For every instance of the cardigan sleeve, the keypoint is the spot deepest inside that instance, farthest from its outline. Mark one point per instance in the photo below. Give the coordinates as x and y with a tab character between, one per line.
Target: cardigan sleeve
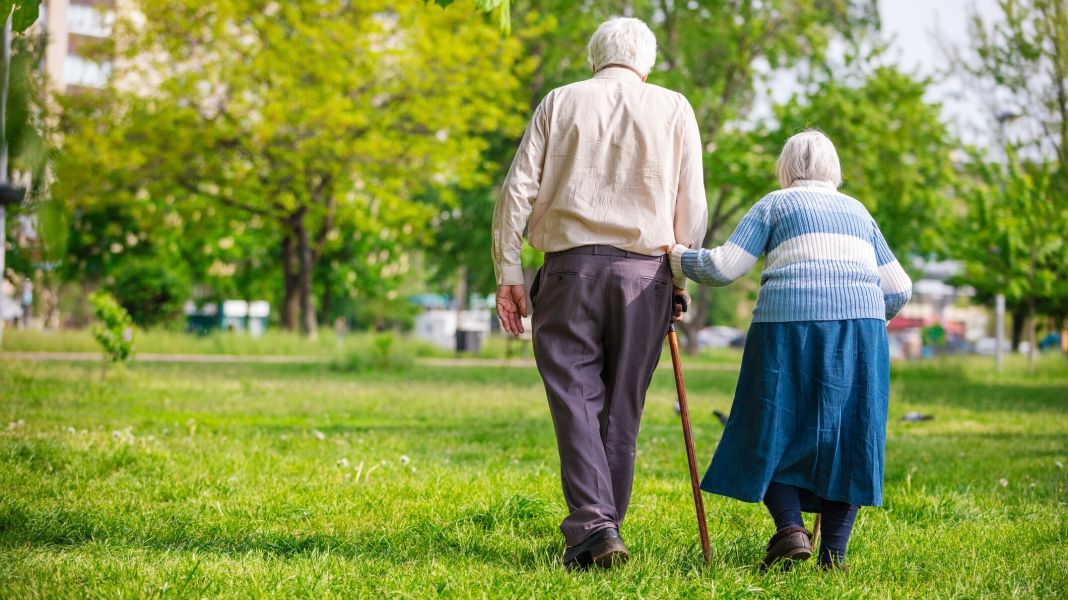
724	264
894	281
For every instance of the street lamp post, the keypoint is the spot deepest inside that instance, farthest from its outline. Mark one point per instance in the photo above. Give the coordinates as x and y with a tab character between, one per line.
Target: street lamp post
1002	118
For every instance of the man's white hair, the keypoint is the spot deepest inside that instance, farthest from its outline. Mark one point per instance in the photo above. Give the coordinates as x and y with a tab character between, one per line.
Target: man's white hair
808	156
623	41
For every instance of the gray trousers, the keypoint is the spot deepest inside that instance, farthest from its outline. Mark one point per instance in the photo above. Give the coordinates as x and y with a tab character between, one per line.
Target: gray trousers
600	318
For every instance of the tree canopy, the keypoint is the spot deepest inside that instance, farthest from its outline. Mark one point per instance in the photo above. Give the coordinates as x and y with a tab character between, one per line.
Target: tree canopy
319	126
1013	228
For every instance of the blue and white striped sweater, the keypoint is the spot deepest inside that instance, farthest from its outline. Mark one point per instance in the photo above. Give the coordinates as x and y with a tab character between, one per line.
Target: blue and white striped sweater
825	259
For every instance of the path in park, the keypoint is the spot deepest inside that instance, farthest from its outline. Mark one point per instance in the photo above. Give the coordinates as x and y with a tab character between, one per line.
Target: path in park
295	359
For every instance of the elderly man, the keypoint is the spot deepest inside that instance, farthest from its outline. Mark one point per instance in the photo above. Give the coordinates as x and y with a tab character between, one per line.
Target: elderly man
608	173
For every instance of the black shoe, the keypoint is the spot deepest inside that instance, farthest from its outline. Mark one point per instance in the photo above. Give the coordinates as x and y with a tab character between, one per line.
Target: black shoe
603	548
789	544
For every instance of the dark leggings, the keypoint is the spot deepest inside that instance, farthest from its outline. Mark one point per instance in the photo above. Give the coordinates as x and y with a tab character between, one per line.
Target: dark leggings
784	504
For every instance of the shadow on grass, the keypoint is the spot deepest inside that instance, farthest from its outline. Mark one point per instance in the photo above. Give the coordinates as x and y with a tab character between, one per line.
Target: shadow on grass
516	532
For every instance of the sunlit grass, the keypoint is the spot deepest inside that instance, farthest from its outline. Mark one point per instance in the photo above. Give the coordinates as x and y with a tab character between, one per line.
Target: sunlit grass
299	480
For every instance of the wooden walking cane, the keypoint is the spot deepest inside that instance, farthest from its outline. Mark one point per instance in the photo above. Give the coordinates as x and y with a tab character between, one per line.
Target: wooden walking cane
684	411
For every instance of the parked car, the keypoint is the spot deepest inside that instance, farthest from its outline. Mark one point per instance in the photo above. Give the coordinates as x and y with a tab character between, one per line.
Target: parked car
987	346
720	336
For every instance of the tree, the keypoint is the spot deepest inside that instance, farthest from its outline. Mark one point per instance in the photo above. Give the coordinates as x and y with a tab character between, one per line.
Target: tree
150	290
317	121
894	149
112	329
1012	238
1017	67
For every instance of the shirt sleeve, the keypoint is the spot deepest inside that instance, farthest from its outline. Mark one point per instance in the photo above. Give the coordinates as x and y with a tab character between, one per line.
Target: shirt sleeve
691	204
894	281
724	264
516	200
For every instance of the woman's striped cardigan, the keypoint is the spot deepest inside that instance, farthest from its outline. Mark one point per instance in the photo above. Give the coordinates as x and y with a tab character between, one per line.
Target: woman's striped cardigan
825	259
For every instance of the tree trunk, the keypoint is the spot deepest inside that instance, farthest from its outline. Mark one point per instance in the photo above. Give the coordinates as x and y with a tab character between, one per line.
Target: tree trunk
326	302
308	324
83	316
50	300
461	289
698	316
1033	345
291	302
1019	316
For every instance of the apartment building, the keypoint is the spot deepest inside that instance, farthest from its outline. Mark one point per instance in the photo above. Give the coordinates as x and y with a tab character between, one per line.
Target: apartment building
72	27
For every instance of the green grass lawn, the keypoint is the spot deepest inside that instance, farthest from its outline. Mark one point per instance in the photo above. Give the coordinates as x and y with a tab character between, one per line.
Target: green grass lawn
211	481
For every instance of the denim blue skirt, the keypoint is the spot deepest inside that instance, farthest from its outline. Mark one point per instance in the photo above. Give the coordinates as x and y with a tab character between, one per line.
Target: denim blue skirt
809	411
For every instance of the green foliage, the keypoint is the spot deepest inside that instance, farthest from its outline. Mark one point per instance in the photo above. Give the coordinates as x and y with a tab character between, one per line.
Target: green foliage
24	15
26	110
150	289
26	146
1012	234
1017	64
383	353
503	8
894	150
113	329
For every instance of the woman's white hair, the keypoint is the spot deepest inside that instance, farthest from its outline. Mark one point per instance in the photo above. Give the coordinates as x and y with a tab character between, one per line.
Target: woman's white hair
808	156
623	41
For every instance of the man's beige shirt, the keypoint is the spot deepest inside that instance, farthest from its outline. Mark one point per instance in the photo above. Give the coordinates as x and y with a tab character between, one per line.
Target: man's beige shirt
610	160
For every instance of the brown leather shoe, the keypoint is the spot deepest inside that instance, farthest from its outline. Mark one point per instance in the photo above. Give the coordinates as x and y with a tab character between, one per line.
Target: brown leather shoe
604	548
788	545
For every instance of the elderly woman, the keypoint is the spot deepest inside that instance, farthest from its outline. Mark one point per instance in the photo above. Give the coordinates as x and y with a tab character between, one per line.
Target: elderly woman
808	426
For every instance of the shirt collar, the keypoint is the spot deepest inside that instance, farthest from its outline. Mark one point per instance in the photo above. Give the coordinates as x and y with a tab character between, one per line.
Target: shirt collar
619	73
813	183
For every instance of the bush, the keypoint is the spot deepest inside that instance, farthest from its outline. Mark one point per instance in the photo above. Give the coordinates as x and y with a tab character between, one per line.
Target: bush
112	328
383	354
151	290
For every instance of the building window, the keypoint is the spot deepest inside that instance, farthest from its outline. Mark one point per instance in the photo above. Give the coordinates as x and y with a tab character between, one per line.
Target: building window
89	21
86	73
